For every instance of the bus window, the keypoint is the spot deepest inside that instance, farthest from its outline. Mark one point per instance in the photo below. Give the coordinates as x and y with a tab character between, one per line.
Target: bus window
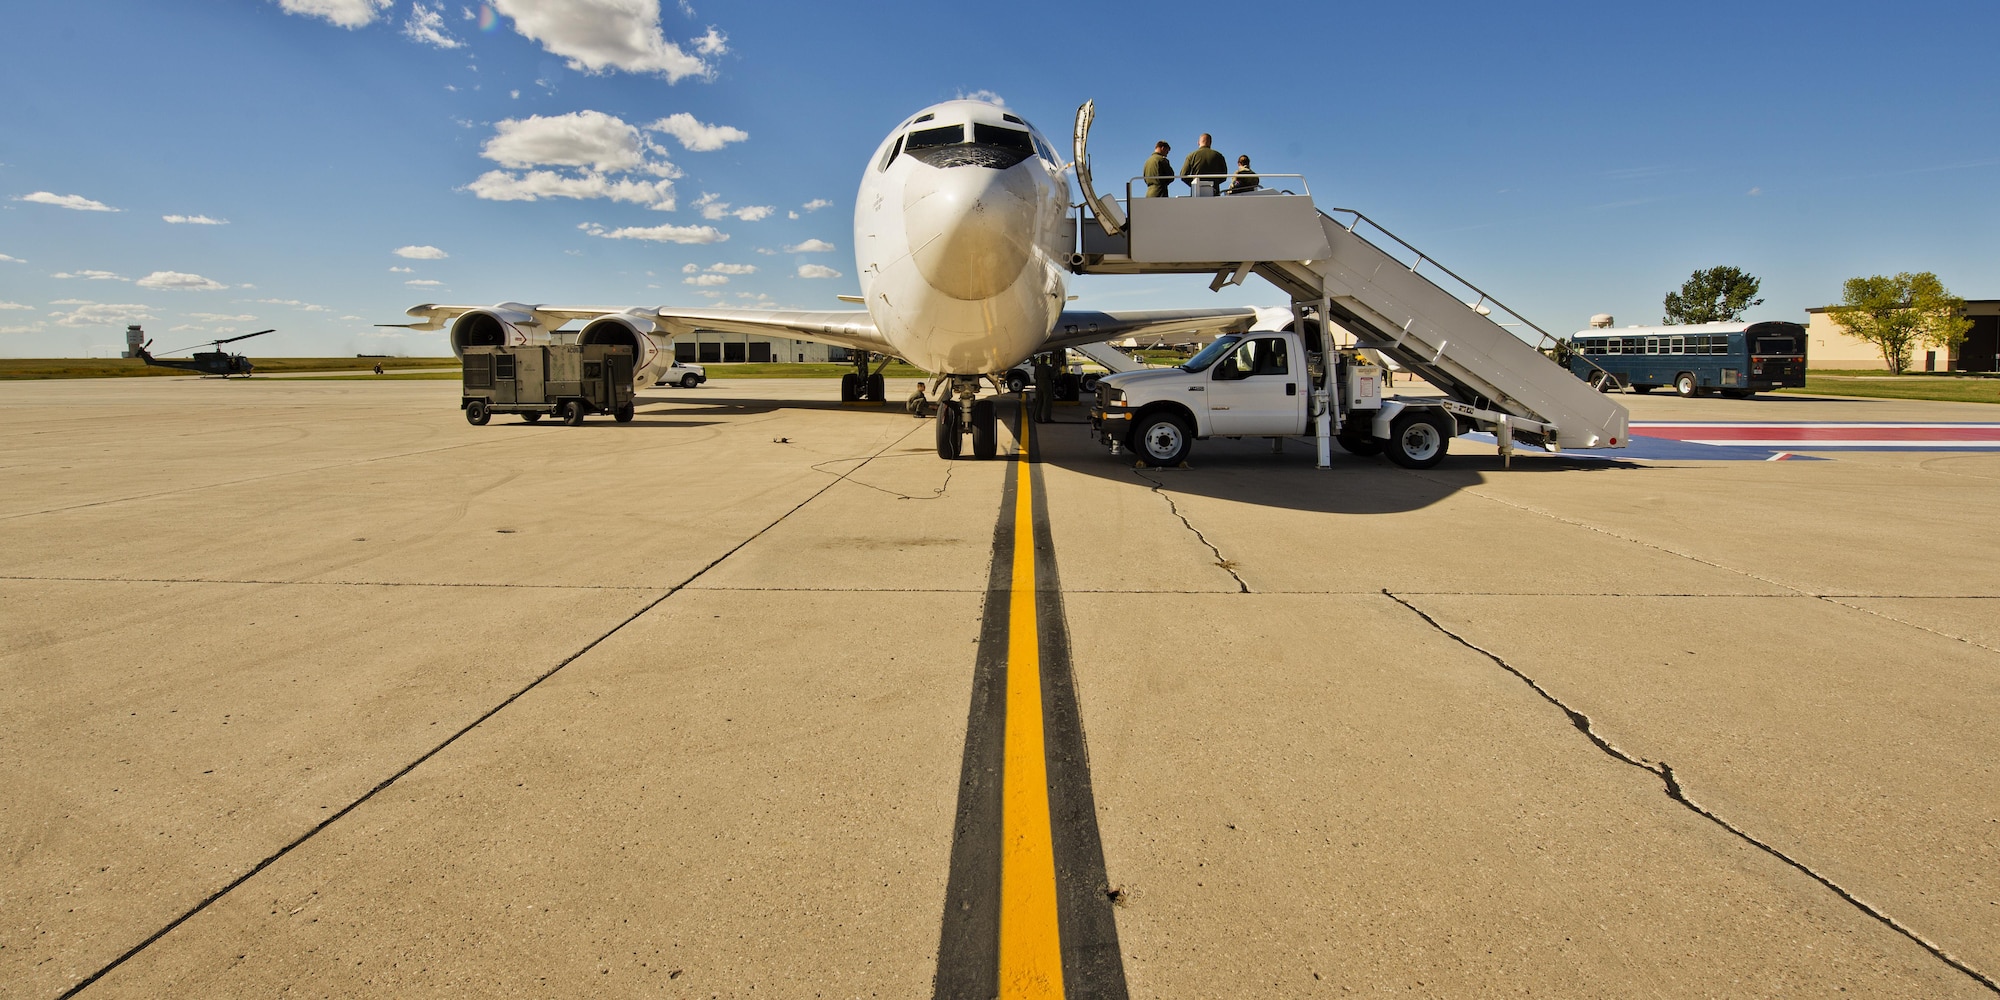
1677	345
1652	345
1614	345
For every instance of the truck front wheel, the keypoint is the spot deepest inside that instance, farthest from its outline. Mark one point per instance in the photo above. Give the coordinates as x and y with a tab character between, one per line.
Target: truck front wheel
476	413
1163	439
572	413
1418	439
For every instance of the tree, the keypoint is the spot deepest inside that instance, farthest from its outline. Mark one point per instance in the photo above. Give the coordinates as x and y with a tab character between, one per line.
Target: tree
1717	295
1896	314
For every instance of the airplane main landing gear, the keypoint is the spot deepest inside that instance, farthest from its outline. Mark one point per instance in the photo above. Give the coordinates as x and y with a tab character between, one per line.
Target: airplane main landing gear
861	384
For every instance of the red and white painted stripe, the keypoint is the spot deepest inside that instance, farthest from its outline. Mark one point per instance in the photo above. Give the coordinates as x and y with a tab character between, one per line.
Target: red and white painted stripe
1818	436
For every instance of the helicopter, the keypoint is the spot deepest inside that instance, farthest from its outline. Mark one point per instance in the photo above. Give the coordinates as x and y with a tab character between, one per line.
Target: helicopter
211	362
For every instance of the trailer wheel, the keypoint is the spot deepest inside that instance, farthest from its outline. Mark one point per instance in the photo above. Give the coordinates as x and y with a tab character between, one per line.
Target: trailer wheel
1163	438
476	413
688	381
985	430
1419	438
531	417
1684	386
572	413
623	414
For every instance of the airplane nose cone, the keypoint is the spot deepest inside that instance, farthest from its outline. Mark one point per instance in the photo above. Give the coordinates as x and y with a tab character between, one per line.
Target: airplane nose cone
971	229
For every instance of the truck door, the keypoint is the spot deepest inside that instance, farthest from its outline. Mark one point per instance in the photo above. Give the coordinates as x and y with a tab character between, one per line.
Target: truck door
1259	389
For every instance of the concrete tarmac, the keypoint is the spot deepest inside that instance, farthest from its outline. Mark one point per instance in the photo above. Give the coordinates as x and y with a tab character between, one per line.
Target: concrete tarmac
315	689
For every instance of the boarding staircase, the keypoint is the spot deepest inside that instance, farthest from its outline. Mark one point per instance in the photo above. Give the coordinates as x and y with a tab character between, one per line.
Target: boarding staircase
1392	298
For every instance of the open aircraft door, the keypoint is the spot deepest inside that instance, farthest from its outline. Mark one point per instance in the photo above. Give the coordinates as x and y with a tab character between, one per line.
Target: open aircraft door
1108	214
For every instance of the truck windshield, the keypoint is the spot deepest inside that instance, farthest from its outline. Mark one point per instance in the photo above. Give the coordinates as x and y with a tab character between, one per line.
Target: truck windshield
1211	353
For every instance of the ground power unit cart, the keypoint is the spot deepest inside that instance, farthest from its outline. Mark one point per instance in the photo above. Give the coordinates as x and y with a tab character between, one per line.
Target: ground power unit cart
559	380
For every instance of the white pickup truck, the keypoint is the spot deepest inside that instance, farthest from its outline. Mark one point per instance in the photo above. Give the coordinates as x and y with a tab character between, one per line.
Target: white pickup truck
1259	384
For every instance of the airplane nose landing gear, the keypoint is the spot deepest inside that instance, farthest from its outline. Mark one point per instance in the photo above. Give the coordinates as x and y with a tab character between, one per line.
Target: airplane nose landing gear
963	411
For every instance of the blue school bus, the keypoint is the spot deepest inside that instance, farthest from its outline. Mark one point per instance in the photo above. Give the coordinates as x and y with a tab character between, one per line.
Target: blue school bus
1735	359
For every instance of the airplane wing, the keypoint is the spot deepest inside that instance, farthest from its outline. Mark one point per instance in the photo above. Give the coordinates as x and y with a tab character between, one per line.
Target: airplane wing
437	317
849	328
1084	326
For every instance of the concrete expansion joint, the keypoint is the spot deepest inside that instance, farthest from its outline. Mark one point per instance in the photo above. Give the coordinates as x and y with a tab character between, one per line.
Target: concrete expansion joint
1837	602
1587	526
1678	793
323	583
1226	565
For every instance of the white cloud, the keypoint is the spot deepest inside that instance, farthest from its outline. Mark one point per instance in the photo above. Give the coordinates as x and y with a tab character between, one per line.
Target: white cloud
817	271
732	269
422	283
515	94
767	251
695	136
294	303
707	279
426	25
597	36
983	95
348	14
74	202
712	43
4	259
31	328
92	275
709	293
579	139
712	207
498	185
72	302
402	270
4	306
690	268
810	246
222	317
658	234
595	145
420	253
816	204
103	314
180	282
194	220
357	319
1754	192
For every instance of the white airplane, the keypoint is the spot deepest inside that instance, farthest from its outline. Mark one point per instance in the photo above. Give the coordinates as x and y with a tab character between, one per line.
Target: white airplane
962	242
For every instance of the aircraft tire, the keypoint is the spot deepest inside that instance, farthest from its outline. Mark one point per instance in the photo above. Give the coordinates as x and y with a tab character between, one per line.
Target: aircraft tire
849	392
1419	439
947	430
985	430
573	413
877	391
476	413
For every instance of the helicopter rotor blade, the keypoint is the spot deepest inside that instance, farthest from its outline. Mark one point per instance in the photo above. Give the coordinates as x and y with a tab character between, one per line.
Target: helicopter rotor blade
246	336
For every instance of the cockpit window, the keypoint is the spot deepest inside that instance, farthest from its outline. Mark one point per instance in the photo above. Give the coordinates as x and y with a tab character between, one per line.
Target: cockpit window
1005	138
890	156
926	116
1013	119
946	135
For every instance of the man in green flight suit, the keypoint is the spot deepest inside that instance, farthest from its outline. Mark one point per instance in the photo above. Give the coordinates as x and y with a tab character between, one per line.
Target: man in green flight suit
1159	171
1204	161
1045	389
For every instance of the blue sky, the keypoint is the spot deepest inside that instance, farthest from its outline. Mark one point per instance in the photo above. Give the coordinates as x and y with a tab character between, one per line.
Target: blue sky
1570	158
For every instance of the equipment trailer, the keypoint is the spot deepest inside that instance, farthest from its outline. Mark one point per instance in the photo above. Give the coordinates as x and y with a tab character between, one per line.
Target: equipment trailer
562	380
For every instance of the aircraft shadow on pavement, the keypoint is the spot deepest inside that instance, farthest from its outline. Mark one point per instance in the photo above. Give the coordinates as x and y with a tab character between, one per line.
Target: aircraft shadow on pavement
1245	471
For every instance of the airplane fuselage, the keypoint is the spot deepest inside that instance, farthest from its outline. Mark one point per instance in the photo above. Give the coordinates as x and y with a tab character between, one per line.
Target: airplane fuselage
961	238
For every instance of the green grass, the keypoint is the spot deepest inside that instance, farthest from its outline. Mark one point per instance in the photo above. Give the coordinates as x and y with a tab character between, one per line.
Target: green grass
1881	385
31	368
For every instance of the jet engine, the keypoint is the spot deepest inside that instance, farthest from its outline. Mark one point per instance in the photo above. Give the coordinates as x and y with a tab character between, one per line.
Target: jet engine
499	326
651	350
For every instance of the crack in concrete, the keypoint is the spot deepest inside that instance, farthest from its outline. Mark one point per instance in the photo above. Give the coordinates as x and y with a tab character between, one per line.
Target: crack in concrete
384	784
1226	565
1674	791
1838	602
